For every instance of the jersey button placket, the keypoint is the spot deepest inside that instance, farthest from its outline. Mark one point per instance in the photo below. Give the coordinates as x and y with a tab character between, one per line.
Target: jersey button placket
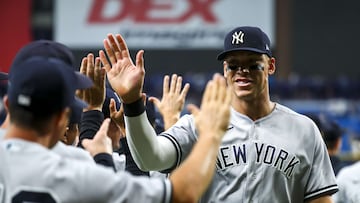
252	165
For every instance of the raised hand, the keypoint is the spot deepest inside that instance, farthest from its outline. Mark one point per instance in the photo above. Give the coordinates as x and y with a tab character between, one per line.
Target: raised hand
214	114
117	124
117	116
125	78
172	101
95	95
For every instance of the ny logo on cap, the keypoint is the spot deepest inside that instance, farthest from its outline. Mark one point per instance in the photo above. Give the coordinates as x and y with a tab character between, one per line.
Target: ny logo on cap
237	38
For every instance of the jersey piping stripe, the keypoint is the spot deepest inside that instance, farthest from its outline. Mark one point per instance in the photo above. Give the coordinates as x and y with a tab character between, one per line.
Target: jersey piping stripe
176	145
321	192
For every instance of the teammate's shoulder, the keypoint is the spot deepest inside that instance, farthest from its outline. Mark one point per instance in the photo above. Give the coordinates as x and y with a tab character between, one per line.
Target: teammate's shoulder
350	172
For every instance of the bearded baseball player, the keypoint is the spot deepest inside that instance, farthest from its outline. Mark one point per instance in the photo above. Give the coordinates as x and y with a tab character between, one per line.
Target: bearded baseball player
269	153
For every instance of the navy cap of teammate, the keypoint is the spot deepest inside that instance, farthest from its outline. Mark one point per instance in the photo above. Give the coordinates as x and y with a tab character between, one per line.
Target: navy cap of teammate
76	111
110	94
47	49
248	39
43	86
55	51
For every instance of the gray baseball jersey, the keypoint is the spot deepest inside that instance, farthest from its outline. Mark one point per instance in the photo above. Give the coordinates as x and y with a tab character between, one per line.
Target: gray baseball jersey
31	173
348	180
278	158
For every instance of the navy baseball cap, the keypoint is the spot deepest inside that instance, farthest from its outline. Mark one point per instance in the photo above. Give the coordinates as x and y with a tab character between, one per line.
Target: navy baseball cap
45	48
110	94
52	54
48	49
43	86
76	111
246	38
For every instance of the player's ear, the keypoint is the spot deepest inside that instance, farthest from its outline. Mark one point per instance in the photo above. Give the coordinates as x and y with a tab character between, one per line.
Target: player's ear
272	66
6	103
225	69
63	117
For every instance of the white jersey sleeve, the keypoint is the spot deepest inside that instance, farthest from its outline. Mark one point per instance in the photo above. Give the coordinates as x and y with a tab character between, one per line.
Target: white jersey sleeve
150	152
321	175
182	136
49	177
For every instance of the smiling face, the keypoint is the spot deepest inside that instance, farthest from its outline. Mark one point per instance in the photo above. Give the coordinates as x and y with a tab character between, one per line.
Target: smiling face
247	73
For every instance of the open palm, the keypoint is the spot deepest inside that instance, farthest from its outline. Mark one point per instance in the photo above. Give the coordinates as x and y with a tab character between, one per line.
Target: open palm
124	77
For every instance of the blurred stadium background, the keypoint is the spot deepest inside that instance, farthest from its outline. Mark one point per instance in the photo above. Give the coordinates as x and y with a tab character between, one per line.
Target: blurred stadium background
316	44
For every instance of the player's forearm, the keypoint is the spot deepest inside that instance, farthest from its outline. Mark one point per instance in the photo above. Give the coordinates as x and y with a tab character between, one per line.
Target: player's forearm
130	164
150	152
194	175
324	199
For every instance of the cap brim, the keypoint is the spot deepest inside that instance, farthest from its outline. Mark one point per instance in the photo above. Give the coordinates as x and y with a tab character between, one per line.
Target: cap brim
4	76
79	103
222	55
76	110
83	82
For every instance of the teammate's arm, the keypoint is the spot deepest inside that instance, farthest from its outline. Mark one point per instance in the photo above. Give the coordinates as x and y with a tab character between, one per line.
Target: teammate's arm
324	199
127	80
150	152
193	176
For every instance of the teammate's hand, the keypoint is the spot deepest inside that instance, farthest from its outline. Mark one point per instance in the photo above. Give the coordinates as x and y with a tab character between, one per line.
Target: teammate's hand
214	114
172	101
101	143
117	124
125	78
95	95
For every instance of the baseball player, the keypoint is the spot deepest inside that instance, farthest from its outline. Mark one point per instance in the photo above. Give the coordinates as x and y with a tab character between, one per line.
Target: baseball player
269	152
57	51
348	180
40	93
332	134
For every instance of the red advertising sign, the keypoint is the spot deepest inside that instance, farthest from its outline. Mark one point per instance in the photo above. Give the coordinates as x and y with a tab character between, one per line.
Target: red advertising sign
158	23
15	29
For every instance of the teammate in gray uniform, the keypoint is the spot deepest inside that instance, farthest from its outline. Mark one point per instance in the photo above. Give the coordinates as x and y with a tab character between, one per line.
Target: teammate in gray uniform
40	93
269	152
348	180
54	50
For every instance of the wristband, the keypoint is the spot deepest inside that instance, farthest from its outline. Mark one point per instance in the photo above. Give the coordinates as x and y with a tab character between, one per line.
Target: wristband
134	109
